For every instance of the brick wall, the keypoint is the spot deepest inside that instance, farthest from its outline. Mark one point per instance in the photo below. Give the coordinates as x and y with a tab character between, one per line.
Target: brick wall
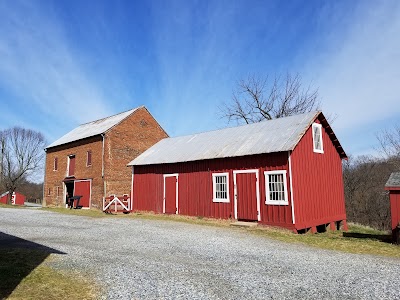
125	142
122	143
54	179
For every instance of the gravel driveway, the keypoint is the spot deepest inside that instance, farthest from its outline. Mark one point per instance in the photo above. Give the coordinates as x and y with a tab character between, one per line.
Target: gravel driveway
148	259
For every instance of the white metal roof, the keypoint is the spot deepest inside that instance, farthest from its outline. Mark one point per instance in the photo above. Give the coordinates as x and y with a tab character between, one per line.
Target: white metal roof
394	180
276	135
92	128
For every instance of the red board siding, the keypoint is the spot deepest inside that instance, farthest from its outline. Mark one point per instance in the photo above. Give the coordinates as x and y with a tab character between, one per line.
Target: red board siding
246	196
82	188
317	183
19	199
170	194
395	208
195	187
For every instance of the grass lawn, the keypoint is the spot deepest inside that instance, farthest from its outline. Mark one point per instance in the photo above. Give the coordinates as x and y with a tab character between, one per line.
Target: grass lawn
359	239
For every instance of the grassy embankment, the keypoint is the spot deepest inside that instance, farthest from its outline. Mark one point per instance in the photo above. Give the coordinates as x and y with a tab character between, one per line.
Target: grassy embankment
359	239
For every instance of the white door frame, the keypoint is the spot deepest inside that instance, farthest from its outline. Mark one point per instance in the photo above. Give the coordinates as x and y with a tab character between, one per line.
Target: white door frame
176	175
90	191
256	171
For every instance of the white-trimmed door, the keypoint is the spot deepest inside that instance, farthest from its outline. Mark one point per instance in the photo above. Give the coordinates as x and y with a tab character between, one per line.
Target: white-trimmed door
170	201
83	188
247	195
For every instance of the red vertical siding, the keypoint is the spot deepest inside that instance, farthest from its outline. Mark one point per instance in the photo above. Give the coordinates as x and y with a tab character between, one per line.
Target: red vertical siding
395	207
195	196
317	183
246	196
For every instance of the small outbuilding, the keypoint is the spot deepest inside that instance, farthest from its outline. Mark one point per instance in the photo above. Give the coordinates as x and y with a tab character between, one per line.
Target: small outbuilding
285	172
16	198
393	186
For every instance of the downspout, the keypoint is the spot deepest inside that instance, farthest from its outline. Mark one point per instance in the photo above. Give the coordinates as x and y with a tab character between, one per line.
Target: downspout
291	187
102	167
44	181
131	202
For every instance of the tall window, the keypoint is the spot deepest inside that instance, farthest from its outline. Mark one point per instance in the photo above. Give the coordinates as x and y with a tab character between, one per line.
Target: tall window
89	158
48	191
276	187
317	138
55	165
71	165
220	187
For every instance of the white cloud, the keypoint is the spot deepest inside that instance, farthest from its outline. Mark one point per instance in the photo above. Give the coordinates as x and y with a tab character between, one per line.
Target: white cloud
40	67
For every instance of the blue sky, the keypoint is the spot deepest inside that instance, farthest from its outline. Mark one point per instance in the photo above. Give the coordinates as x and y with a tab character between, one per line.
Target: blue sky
67	63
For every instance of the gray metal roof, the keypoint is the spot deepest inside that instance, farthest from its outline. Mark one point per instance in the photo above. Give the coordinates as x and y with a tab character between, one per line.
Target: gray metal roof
92	128
276	135
394	180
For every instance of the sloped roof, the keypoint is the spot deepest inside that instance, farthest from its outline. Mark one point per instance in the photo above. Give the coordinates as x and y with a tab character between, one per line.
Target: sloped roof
276	135
92	128
394	180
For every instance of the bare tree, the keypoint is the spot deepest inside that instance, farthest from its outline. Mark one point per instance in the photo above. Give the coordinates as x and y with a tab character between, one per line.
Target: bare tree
257	99
21	155
389	145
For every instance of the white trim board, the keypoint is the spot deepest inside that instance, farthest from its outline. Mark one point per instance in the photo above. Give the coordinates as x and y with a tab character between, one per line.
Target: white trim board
256	171
176	175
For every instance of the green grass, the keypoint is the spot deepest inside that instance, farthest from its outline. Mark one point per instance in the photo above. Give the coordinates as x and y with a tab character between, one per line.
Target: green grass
359	239
26	274
94	213
11	206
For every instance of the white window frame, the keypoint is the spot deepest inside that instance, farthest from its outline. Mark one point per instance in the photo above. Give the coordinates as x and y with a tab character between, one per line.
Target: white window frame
316	125
55	165
276	202
87	158
221	200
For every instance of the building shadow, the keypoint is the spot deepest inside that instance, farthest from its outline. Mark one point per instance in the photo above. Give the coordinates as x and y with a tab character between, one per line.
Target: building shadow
18	258
386	238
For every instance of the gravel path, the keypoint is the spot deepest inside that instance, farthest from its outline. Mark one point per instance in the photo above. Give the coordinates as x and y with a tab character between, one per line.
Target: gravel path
148	259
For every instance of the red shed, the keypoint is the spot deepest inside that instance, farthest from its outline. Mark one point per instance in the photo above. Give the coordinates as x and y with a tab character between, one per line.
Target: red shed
16	198
285	172
393	186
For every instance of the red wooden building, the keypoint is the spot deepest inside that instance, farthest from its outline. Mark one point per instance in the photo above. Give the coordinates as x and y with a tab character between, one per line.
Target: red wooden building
16	198
285	172
393	186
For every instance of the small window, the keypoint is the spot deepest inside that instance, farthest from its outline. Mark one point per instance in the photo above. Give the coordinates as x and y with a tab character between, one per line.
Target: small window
48	191
58	191
55	165
276	187
220	187
89	158
317	138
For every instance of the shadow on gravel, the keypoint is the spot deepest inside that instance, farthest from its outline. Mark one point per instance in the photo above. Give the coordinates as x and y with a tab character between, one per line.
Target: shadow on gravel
18	257
386	238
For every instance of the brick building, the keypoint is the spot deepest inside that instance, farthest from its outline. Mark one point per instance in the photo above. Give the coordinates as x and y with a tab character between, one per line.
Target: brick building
91	160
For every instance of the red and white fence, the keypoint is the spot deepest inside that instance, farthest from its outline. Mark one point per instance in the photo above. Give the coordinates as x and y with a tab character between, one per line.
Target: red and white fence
117	204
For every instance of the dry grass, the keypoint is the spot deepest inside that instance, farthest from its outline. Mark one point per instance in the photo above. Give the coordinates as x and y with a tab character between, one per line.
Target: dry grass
94	213
11	206
359	239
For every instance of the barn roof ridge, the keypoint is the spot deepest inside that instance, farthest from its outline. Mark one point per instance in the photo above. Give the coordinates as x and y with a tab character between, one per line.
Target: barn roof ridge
93	128
277	135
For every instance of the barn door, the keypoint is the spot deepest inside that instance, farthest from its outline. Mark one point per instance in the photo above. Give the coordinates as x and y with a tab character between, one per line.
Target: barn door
247	199
83	188
170	204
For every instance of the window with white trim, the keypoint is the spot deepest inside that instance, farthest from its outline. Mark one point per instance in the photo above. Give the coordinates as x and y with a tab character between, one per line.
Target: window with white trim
317	138
220	187
276	187
55	164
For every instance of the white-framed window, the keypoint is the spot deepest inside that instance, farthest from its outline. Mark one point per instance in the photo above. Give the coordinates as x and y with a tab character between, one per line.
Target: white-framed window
55	164
317	138
88	158
220	187
276	188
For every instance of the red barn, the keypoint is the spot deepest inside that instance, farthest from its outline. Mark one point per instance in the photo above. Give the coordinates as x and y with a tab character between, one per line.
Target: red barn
16	198
393	186
285	172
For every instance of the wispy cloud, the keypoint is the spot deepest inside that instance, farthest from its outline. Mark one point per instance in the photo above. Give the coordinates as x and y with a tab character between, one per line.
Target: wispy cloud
358	73
39	66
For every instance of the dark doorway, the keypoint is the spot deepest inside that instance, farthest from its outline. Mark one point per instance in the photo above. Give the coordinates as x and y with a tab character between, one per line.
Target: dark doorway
69	186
